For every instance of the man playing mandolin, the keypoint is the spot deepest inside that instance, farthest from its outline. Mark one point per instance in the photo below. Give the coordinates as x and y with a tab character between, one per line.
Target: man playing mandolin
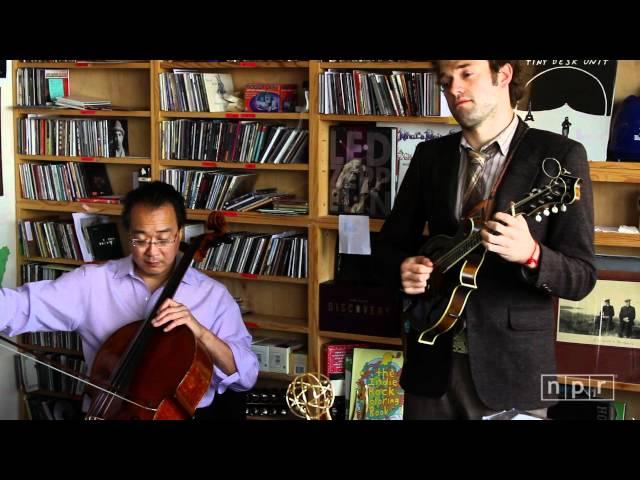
502	339
96	300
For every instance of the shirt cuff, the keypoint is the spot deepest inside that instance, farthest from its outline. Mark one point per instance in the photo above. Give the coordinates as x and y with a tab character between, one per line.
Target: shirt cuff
241	377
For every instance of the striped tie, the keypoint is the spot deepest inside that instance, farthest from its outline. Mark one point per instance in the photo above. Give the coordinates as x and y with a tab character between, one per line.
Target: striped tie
476	180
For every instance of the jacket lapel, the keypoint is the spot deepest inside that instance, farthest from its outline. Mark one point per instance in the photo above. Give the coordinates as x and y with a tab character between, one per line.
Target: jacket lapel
446	178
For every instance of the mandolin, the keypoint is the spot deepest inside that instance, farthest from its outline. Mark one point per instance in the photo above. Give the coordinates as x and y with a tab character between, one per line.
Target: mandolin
457	259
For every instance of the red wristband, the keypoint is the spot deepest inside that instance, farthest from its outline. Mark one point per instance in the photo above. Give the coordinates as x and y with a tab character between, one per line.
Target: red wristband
532	262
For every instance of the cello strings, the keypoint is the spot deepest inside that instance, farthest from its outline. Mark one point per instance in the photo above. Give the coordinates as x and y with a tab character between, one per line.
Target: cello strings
98	387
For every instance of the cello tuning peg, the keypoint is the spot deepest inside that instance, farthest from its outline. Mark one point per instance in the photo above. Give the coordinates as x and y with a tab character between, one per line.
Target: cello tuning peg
563	208
554	209
538	218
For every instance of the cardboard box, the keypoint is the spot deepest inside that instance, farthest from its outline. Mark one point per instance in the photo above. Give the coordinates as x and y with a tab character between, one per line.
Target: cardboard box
364	310
279	352
260	346
270	97
297	363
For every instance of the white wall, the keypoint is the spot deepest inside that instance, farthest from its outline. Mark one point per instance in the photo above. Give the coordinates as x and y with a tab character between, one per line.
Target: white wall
9	407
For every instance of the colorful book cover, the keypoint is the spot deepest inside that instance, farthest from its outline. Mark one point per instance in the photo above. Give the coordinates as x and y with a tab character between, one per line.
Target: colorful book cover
408	136
360	162
375	385
573	98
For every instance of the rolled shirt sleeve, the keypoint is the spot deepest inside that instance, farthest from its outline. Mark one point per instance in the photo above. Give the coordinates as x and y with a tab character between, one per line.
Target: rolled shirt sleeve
229	327
48	305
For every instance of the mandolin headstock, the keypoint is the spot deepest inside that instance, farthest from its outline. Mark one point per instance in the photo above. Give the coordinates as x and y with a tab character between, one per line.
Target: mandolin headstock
563	189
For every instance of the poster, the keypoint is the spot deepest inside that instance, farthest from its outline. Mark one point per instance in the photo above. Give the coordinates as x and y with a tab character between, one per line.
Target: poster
573	98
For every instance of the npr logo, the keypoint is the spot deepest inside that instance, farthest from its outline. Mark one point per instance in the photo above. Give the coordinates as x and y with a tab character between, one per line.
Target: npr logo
570	387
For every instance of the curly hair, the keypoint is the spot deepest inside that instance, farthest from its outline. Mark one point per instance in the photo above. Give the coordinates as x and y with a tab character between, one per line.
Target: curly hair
518	81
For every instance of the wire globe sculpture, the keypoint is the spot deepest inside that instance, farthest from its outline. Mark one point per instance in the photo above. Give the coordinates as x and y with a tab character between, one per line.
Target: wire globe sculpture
310	396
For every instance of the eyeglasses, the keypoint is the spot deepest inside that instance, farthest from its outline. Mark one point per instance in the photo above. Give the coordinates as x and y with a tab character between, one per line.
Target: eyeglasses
145	243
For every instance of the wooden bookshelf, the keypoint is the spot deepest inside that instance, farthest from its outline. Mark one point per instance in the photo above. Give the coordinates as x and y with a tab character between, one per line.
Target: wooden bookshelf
281	304
213	65
96	65
377	65
386	118
294	167
614	239
107	160
351	337
236	115
275	323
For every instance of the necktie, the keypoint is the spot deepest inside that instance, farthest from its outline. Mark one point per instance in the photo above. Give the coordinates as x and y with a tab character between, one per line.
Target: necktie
476	180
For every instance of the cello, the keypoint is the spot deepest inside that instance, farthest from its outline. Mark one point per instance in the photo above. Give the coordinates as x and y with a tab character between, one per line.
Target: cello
150	374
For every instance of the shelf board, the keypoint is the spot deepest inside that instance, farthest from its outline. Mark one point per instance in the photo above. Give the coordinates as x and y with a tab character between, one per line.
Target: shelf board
54	206
296	167
256	278
88	64
276	376
614	239
235	65
360	338
59	158
237	115
623	172
629	387
62	261
378	65
73	112
276	323
267	417
40	348
48	393
253	218
330	222
386	118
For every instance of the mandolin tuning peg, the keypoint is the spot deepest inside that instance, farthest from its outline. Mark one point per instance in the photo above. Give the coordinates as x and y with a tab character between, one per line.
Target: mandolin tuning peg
563	208
554	209
546	212
538	218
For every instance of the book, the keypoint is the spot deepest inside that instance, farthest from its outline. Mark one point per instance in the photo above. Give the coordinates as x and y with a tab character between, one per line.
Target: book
110	199
81	221
334	355
592	409
96	180
573	98
57	83
216	86
105	241
82	101
360	163
375	391
408	136
118	138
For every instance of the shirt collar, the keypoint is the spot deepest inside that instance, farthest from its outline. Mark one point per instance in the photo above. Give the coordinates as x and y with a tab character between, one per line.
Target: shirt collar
503	139
124	267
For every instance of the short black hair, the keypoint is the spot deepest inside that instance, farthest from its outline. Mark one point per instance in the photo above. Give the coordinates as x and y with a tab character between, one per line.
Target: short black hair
154	194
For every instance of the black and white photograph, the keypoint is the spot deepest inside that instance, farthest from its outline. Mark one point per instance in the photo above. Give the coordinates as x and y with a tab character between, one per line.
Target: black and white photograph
607	316
118	138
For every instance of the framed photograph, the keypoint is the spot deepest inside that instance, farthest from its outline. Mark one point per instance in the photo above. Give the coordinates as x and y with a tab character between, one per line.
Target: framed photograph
118	138
600	334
